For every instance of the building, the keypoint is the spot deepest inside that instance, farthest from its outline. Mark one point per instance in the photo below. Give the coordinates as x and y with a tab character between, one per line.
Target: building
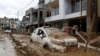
63	14
33	17
30	20
41	13
8	23
67	13
41	3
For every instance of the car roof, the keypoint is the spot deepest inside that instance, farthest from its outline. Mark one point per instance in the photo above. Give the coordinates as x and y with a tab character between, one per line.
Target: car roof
43	27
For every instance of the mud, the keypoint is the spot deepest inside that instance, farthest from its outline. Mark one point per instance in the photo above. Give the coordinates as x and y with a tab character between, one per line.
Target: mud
35	49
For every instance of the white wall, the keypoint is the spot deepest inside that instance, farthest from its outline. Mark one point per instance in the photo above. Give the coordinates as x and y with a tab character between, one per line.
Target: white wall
62	8
52	18
61	17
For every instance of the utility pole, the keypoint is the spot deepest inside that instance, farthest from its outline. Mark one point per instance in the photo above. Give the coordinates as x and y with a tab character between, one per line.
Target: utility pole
50	8
38	17
46	8
18	14
91	18
44	12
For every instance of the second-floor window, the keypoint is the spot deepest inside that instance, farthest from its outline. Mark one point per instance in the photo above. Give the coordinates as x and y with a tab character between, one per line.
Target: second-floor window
48	13
55	11
75	5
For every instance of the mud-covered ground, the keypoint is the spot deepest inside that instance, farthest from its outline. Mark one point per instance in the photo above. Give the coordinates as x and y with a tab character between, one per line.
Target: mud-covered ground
20	45
6	46
25	47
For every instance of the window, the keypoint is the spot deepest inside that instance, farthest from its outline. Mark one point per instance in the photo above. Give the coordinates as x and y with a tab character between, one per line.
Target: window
41	33
75	5
84	4
55	11
48	13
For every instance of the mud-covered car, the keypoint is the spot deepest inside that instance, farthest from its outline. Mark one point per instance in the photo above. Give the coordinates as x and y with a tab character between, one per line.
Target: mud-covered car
53	36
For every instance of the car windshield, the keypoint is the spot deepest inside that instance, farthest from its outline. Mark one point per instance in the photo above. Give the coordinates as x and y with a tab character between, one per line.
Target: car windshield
49	30
54	32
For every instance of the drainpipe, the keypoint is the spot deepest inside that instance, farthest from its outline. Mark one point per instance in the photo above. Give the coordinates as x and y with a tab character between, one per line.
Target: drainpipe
43	16
38	17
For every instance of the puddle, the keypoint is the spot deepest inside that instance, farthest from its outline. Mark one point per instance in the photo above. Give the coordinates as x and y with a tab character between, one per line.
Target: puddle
6	47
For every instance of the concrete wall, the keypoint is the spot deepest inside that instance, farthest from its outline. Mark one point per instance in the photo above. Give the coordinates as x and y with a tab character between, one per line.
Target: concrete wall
99	8
61	17
62	8
52	18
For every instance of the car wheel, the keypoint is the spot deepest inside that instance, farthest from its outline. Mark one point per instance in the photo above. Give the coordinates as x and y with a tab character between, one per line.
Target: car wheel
45	46
31	40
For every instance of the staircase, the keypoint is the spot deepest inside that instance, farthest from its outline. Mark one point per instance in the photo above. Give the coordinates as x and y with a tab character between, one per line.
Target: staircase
81	36
94	42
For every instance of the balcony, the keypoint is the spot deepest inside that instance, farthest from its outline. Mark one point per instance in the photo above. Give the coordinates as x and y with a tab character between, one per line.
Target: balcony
29	11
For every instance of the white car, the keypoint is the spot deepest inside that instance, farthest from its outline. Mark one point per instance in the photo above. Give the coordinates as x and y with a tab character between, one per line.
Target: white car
7	31
53	36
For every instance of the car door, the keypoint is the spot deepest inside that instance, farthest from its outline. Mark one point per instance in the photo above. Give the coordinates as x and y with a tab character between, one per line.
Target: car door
35	37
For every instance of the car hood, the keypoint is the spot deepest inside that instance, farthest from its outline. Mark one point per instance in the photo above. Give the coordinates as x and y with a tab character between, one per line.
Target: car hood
61	36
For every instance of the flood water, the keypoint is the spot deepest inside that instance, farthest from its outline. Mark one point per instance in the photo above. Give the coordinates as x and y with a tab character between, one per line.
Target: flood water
6	46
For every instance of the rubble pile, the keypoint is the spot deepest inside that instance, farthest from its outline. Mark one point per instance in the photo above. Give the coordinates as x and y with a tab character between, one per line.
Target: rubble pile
95	42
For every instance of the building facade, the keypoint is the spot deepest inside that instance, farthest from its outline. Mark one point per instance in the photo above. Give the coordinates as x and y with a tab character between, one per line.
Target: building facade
30	20
67	13
8	23
63	14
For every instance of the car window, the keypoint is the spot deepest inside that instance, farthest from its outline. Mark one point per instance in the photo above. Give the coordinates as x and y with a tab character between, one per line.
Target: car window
41	33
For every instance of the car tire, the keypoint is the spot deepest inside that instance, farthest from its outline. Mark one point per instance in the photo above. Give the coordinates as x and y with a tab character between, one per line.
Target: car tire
31	40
